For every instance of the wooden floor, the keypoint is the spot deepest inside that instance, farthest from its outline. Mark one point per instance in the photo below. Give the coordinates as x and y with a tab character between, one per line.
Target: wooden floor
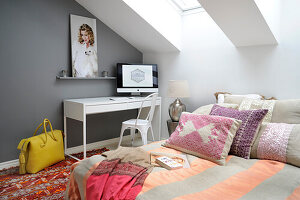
127	143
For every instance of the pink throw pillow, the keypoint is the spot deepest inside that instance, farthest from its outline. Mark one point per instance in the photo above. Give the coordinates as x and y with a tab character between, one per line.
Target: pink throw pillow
205	136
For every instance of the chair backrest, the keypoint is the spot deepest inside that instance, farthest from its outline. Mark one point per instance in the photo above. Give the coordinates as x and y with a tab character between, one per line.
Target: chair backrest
152	108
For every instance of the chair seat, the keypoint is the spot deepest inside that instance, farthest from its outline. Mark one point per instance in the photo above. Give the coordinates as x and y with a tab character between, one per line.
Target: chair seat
140	122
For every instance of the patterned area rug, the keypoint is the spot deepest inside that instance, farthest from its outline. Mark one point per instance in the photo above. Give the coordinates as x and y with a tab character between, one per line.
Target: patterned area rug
49	183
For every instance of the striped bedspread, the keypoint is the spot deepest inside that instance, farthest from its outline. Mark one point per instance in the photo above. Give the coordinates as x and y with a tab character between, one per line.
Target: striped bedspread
238	179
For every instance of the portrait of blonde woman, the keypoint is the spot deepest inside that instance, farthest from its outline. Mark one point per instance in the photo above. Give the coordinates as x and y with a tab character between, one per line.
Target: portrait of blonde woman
84	47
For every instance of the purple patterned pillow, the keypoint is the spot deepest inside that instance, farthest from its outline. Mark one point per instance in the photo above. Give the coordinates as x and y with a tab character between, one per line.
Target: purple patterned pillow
251	120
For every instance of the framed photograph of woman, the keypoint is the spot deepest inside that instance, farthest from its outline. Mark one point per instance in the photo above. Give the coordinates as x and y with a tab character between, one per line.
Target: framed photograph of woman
84	47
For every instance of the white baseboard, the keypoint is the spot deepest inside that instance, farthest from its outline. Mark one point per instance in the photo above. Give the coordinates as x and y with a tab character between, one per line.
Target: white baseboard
77	149
96	145
8	164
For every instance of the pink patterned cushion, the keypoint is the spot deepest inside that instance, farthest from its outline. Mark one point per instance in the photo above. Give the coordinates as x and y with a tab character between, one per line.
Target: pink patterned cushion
206	136
274	141
278	141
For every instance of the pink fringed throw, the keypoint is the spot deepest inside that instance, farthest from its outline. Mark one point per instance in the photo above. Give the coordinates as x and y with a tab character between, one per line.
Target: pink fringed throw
120	176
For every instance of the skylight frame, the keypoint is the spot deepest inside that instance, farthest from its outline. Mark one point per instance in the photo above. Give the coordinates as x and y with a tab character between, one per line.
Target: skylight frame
182	9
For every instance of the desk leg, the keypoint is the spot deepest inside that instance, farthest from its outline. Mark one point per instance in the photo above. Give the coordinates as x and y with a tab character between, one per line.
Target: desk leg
84	134
159	124
65	141
65	132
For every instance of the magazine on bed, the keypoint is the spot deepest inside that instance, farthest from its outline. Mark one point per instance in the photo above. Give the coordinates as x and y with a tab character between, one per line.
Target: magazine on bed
178	158
168	163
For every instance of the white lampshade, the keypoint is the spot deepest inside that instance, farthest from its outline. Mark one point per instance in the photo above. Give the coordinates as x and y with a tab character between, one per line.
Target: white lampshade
178	88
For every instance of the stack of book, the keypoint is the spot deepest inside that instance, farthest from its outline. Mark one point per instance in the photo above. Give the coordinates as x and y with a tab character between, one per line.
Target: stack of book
169	160
168	163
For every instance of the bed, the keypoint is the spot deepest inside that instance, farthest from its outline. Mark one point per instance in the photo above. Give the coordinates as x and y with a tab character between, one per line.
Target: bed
239	178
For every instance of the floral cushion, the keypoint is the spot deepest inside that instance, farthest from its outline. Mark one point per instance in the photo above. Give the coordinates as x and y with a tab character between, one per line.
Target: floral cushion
244	138
205	136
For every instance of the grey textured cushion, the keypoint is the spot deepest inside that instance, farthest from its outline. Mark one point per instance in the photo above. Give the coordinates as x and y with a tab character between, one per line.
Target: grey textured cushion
286	111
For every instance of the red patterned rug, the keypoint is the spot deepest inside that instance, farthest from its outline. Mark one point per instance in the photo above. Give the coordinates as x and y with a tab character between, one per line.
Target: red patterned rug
49	183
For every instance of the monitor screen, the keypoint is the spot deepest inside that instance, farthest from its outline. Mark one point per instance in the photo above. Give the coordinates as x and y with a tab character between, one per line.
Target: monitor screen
131	77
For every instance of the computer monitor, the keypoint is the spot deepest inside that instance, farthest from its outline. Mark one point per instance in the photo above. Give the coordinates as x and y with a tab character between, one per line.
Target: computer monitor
137	78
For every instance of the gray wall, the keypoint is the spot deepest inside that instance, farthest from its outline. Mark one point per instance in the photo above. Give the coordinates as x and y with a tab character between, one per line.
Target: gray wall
34	47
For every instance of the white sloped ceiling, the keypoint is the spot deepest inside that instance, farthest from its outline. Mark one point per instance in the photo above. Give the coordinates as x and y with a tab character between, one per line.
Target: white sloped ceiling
241	21
145	32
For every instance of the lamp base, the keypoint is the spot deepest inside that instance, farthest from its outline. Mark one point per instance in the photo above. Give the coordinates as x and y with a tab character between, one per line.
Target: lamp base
171	126
175	110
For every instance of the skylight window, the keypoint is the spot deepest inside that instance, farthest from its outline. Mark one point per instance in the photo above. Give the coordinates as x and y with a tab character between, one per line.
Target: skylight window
186	5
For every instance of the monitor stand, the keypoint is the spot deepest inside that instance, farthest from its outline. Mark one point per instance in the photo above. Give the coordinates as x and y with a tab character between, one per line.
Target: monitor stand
135	94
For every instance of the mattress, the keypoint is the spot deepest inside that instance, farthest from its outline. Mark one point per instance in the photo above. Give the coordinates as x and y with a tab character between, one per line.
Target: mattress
238	179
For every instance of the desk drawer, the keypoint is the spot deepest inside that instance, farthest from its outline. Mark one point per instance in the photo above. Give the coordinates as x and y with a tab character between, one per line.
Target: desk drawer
135	105
105	108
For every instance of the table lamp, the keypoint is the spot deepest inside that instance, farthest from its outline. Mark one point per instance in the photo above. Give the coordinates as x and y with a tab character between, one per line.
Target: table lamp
177	89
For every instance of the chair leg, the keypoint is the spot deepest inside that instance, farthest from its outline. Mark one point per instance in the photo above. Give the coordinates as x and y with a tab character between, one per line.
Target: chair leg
152	133
132	133
121	135
144	132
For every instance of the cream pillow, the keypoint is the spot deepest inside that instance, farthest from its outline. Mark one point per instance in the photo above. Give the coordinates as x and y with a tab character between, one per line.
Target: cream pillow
280	111
205	110
237	99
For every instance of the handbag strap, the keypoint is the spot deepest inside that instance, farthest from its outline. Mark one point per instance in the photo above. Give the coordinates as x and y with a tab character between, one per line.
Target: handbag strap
24	143
46	123
43	123
38	128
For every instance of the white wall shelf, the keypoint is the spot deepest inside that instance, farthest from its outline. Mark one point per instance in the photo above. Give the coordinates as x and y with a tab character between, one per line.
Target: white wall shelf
84	78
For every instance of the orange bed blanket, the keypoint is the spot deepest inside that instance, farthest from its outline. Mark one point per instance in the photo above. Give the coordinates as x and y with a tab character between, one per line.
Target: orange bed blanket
238	179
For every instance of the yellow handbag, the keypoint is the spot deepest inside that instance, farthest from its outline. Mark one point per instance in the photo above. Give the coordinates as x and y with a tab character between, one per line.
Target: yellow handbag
41	151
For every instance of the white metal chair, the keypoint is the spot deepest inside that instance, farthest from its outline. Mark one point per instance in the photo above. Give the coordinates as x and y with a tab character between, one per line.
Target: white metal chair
142	125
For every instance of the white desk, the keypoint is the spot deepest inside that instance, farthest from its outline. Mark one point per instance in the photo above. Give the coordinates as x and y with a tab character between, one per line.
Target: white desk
78	109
